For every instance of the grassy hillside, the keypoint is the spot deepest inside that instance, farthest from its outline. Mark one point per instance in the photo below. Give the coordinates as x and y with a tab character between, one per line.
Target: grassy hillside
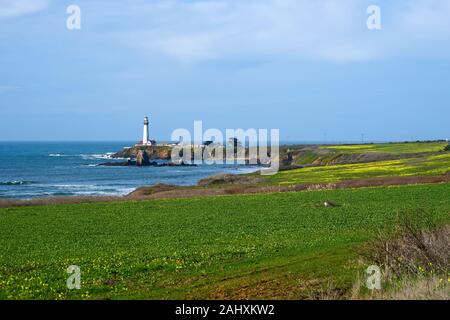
391	148
423	166
260	246
344	154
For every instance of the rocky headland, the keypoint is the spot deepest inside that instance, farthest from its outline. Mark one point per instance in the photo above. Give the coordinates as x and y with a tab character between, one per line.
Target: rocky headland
147	156
143	156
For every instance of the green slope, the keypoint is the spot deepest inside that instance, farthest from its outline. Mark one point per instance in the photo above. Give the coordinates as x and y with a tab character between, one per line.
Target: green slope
423	166
391	148
253	246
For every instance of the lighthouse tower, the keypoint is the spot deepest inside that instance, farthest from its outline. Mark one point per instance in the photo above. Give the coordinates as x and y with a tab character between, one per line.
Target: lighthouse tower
145	136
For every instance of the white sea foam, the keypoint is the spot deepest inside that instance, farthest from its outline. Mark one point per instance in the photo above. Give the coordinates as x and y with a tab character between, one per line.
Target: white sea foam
59	155
115	192
15	183
97	156
77	190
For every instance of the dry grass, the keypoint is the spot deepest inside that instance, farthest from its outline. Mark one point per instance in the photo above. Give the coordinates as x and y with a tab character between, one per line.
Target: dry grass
406	288
415	264
430	288
421	246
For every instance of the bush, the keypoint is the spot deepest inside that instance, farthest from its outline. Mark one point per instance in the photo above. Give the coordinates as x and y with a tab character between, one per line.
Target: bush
447	147
414	260
419	247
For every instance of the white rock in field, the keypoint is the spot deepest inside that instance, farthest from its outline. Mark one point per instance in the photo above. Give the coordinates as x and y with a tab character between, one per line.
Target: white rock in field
329	204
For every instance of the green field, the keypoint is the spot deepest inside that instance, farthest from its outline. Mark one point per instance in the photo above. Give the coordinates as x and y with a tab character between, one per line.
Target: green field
424	166
356	153
283	245
391	148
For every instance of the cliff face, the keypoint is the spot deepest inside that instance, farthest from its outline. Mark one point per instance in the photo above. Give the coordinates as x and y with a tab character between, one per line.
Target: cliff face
164	153
152	152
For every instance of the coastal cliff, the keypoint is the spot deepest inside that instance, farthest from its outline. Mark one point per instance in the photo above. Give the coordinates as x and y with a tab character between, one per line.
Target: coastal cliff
152	152
142	155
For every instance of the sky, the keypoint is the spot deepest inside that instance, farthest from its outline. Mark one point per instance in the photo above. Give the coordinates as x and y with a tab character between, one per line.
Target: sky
310	68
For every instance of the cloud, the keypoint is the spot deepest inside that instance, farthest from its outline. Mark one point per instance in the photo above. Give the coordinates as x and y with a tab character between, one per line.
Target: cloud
327	30
199	31
14	8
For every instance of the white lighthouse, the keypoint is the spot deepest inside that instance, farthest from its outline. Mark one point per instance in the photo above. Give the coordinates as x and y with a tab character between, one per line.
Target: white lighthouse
145	137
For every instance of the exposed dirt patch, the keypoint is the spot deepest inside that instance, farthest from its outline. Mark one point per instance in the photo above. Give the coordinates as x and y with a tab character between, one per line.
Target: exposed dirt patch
229	179
146	191
284	287
262	285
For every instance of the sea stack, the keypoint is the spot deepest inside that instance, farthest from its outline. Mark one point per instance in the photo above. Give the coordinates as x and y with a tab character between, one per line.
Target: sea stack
142	159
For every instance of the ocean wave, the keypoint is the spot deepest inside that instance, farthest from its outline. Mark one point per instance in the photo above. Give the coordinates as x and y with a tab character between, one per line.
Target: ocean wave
74	186
15	183
66	191
90	189
95	156
57	155
116	192
100	156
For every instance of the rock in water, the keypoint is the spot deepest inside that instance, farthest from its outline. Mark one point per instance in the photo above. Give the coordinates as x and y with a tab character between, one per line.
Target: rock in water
142	159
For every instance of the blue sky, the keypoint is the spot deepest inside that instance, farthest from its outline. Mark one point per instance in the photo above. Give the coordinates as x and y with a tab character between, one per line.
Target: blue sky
308	67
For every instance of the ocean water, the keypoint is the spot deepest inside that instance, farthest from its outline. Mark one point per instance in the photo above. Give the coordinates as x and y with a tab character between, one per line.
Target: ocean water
41	169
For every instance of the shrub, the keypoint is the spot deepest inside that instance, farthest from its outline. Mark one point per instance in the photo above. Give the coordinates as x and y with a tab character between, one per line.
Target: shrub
420	247
414	262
